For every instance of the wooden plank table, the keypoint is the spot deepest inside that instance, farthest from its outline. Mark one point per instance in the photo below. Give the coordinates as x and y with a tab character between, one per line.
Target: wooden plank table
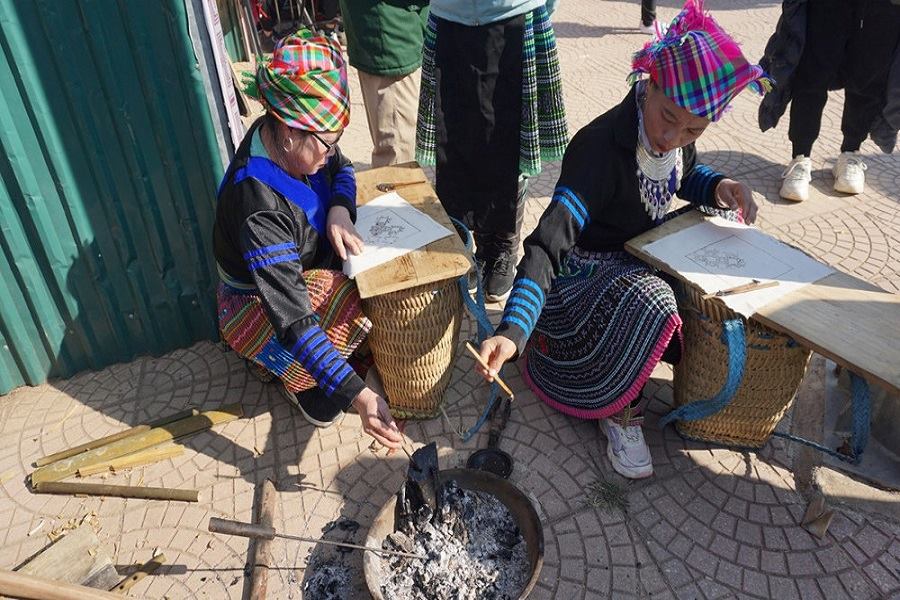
842	317
442	259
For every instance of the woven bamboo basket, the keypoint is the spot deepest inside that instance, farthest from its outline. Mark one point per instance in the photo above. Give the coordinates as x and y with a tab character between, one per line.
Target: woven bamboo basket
414	339
774	367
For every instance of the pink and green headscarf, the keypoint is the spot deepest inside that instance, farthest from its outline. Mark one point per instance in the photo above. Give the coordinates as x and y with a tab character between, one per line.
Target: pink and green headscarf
697	65
305	83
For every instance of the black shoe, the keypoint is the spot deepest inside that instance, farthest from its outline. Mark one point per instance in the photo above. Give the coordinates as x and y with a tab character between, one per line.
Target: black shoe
499	275
315	406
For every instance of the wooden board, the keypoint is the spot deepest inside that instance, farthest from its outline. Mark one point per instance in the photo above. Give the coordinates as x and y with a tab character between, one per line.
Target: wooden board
75	558
442	259
842	317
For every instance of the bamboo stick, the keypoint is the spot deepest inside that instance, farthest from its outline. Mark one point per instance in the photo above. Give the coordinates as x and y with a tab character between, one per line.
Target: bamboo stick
119	491
478	358
69	466
146	569
20	585
135	459
51	458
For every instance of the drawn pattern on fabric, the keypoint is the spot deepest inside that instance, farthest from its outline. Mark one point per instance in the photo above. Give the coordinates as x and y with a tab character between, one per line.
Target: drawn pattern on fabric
734	256
388	228
712	258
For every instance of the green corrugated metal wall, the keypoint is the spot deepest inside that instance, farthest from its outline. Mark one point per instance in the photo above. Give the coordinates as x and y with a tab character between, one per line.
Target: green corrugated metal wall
108	167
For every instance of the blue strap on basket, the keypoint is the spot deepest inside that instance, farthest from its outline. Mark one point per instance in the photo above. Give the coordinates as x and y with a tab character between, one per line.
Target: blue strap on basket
862	418
478	311
733	338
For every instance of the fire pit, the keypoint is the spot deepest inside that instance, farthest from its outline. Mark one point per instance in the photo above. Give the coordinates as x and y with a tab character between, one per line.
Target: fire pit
519	506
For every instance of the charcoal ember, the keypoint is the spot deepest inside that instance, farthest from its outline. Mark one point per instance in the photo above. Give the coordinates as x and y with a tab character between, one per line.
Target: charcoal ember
398	541
475	552
327	581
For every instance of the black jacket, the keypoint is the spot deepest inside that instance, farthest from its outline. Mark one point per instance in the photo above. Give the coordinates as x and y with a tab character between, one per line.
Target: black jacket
264	240
596	206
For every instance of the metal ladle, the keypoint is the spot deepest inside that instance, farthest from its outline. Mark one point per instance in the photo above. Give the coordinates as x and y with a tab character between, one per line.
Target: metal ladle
390	187
492	459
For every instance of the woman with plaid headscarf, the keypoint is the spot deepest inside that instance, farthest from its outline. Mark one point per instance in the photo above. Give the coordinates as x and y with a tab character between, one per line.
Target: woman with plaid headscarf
598	319
284	222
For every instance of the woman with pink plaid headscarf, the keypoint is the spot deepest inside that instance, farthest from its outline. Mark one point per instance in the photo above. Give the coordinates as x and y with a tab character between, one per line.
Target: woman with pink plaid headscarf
284	222
590	321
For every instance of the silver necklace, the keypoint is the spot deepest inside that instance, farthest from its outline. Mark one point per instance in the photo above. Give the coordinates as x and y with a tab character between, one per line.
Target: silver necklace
659	175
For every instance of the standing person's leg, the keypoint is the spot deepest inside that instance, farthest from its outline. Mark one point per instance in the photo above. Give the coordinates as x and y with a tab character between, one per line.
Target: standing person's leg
827	31
478	101
391	104
870	53
500	211
648	16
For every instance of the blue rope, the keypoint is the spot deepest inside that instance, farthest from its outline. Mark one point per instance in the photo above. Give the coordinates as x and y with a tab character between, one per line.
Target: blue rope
477	309
733	338
862	419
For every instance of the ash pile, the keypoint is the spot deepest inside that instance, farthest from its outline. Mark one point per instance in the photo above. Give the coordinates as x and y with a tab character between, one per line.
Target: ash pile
474	547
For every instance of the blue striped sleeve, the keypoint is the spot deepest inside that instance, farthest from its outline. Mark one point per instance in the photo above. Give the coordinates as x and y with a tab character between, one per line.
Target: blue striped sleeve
319	357
270	255
699	186
573	204
524	305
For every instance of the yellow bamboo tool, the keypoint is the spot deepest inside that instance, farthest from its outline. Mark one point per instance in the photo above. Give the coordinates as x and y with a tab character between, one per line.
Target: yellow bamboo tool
477	356
754	285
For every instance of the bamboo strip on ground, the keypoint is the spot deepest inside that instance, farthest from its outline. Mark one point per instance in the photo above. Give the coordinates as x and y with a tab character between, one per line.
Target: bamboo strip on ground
75	558
119	491
158	435
20	585
262	549
52	458
146	569
135	459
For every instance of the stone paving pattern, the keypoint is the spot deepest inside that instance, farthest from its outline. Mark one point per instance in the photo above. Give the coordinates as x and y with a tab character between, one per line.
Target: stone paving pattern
711	523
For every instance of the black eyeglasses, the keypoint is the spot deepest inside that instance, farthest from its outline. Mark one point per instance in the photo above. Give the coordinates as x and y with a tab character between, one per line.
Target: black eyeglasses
328	147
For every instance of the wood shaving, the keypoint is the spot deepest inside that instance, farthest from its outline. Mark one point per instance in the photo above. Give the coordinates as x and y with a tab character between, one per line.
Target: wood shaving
36	529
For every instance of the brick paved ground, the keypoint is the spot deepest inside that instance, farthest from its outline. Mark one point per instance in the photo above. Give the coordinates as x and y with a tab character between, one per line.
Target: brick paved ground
712	523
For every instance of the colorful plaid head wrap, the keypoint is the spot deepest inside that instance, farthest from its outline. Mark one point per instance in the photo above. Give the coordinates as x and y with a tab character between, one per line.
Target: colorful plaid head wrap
305	84
697	65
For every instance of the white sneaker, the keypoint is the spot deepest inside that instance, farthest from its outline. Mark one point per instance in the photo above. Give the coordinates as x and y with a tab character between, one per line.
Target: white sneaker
627	450
849	173
796	179
647	29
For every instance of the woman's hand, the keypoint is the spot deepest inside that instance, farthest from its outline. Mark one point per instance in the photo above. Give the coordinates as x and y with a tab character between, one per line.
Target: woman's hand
733	195
341	232
495	351
376	418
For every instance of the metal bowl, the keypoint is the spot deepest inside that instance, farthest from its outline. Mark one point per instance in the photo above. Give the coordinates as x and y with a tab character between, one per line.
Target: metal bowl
518	504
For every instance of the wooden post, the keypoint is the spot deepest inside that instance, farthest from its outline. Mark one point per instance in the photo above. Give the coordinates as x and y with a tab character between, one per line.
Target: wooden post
69	466
261	556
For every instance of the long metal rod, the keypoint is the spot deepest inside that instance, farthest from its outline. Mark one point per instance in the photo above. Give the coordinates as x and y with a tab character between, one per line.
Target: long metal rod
348	545
256	531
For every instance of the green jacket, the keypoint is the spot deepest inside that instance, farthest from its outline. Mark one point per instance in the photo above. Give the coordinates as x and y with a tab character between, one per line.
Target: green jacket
384	37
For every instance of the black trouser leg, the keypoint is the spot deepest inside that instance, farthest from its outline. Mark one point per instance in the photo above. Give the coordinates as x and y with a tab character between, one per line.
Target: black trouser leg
648	12
870	53
806	120
478	108
827	32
